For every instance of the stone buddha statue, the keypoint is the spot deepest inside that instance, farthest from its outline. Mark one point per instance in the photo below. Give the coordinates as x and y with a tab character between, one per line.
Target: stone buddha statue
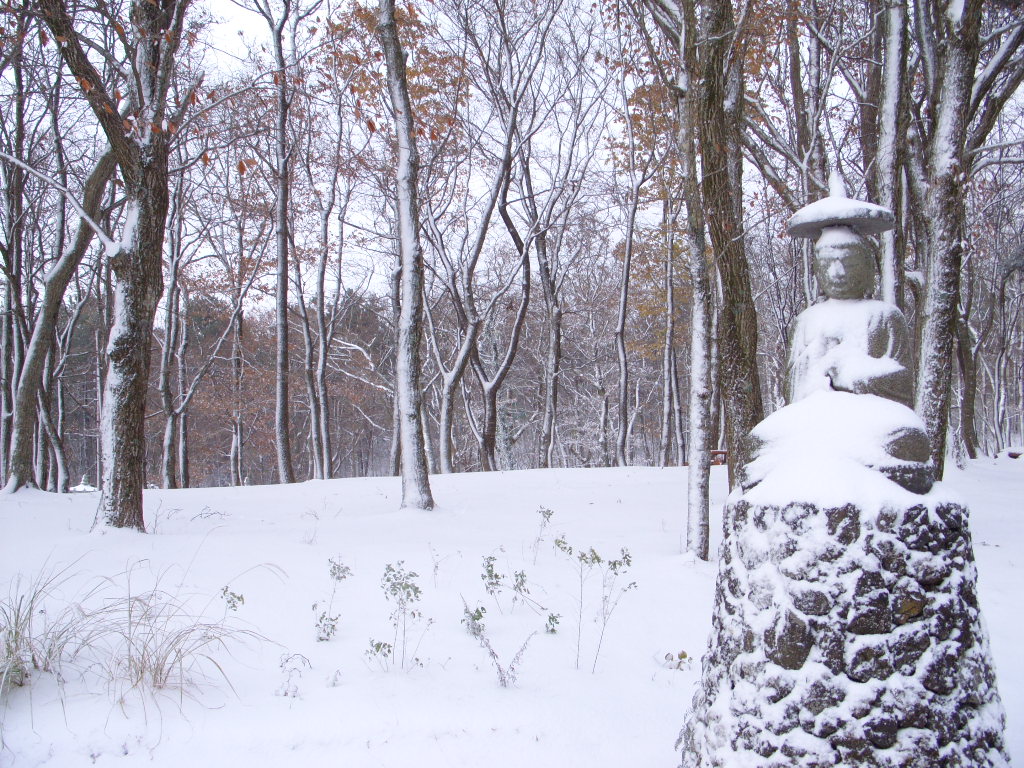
852	344
849	342
846	628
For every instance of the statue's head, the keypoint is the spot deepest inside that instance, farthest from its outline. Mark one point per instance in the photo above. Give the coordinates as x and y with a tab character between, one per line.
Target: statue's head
844	264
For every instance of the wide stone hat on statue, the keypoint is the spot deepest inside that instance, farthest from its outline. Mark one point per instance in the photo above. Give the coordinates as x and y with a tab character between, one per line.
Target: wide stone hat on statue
839	210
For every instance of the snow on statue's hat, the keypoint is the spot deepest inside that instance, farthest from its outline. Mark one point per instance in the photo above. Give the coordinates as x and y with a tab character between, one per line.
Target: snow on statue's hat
838	210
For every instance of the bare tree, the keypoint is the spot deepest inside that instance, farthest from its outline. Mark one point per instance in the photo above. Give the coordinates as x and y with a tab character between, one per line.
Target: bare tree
30	381
964	103
140	140
415	482
640	161
282	20
41	249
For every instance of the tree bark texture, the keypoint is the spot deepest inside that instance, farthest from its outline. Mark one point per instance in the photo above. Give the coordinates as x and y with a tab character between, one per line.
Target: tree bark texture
957	56
135	262
415	481
720	124
968	366
892	124
54	285
138	284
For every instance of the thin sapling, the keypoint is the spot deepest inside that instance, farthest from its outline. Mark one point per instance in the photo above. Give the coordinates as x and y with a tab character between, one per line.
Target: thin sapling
611	591
400	588
545	520
326	620
585	562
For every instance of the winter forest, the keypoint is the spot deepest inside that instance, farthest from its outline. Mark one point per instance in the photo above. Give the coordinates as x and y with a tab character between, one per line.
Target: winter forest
206	233
734	287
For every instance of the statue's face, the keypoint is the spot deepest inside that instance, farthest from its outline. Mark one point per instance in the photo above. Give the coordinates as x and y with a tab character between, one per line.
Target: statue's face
843	264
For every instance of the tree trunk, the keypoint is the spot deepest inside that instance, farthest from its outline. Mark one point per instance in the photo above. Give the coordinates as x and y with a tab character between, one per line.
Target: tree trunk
415	482
235	456
450	382
622	394
968	386
444	426
183	389
700	412
172	327
138	284
13	256
170	450
698	524
666	350
677	413
552	373
309	375
324	336
720	126
282	407
553	352
135	261
54	284
323	401
489	429
891	128
58	480
944	221
185	479
7	385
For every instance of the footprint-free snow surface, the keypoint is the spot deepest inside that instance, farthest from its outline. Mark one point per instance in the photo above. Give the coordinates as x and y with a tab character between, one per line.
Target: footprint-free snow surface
316	624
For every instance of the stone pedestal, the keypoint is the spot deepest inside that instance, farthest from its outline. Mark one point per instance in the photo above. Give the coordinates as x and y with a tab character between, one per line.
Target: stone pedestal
846	635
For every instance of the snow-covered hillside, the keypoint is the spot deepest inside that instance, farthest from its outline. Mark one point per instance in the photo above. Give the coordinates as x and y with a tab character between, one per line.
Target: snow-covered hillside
252	562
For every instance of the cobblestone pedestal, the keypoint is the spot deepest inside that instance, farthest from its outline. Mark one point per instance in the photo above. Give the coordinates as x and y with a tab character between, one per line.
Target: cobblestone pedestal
847	637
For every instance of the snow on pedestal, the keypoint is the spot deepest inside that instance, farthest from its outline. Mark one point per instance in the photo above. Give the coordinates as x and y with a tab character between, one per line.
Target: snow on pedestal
846	629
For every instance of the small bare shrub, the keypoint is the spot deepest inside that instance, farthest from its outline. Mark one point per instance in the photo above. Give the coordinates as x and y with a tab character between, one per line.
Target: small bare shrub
400	589
507	673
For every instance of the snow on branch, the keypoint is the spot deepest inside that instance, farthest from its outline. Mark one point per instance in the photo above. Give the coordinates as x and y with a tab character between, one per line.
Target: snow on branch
110	246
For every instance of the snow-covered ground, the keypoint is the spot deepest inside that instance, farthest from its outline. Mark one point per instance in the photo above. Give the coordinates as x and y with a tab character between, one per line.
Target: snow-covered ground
257	559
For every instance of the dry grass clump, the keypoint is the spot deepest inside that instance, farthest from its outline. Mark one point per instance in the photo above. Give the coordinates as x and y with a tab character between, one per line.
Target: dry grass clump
141	641
38	632
158	640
